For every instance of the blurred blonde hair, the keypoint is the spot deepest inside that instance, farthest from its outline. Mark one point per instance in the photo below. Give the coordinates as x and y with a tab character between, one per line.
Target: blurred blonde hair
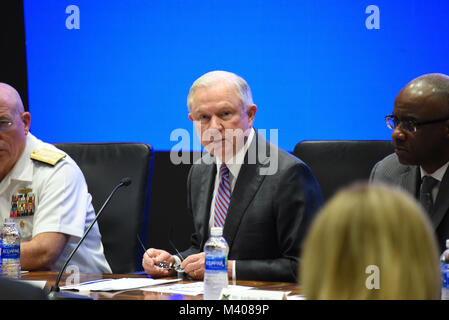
367	225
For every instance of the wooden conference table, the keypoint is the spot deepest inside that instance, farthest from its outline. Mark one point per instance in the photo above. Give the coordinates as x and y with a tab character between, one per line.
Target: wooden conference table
137	294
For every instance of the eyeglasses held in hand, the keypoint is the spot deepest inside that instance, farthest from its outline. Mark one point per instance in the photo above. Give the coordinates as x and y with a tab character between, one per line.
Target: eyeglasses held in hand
165	264
162	264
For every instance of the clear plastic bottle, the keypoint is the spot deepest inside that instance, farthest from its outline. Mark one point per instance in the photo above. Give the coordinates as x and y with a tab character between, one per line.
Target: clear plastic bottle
216	265
10	250
1	253
444	259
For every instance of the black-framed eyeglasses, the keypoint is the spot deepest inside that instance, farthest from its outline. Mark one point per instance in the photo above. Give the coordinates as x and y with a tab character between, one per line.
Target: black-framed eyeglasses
5	124
410	124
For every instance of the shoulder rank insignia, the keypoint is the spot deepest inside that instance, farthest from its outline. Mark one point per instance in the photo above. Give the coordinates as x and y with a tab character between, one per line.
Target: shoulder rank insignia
47	156
23	203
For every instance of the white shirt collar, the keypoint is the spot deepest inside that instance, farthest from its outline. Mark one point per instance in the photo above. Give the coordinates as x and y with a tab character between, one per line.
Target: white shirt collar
438	174
234	164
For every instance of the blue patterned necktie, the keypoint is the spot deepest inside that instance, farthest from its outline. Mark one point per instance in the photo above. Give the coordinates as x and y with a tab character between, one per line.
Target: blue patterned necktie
222	198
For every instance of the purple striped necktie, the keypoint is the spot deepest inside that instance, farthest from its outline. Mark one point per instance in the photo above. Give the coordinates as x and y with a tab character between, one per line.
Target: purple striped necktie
222	197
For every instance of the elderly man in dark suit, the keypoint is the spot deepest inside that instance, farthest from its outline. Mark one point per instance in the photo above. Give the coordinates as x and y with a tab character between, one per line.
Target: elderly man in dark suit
420	123
263	197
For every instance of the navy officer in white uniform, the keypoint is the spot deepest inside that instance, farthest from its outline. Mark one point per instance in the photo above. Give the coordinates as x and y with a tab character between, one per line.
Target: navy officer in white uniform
44	190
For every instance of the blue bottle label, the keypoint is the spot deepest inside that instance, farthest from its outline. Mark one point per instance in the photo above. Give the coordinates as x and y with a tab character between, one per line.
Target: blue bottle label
11	252
216	264
445	275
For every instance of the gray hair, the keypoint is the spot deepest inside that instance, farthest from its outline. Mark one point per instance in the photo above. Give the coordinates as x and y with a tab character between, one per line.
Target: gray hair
214	77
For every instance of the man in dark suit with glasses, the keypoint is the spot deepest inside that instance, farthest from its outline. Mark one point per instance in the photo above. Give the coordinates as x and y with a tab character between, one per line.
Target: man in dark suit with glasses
420	124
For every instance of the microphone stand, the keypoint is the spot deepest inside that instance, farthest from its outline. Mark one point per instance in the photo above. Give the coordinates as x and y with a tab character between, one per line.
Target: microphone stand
55	292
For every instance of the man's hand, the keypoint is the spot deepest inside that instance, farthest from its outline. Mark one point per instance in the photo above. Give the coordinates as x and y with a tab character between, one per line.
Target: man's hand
152	257
194	265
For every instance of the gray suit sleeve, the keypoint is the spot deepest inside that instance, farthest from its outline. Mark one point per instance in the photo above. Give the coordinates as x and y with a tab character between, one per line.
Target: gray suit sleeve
372	176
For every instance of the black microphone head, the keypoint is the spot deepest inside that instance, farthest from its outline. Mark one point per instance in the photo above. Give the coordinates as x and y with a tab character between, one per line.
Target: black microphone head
126	181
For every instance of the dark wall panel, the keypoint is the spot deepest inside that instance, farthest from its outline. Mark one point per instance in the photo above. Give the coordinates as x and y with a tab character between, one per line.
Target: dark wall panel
12	47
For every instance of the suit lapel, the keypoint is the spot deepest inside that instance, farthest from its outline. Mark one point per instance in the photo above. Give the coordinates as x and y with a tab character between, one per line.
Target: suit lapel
247	184
409	180
207	181
442	201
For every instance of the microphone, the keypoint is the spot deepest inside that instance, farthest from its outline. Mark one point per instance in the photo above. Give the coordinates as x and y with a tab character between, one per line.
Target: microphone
55	293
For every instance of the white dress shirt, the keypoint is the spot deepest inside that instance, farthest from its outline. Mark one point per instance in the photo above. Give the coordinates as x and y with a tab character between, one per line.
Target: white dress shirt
438	175
234	165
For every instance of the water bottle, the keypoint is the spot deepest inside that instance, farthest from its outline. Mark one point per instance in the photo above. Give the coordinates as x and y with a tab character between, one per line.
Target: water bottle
444	259
1	246
10	250
216	265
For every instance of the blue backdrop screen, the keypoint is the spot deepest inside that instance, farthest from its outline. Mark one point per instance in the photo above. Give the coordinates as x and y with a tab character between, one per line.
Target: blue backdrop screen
101	71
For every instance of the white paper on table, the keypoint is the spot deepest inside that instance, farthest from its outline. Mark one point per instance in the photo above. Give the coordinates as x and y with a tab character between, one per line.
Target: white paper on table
256	294
190	289
117	284
296	297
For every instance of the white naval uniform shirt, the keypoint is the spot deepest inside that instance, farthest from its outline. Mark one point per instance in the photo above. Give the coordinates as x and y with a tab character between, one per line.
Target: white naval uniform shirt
61	204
